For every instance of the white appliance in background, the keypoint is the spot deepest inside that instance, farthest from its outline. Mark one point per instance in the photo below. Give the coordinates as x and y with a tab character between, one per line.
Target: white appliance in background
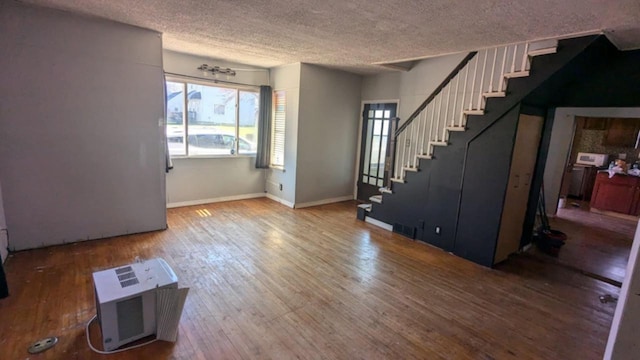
597	160
138	300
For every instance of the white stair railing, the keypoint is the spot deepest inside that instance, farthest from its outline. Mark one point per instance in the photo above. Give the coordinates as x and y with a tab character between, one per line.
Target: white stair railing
482	75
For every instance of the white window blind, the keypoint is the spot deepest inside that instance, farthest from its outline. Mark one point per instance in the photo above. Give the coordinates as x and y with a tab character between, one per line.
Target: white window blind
277	130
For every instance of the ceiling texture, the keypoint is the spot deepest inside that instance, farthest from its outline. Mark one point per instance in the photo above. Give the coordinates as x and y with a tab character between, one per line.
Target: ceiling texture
356	35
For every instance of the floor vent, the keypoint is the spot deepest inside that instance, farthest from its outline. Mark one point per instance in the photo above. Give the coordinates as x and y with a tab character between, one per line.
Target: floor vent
405	230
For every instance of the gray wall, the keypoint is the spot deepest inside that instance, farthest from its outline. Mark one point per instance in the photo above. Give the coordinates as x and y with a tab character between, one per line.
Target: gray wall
81	146
3	231
561	137
187	64
203	180
411	87
327	134
286	78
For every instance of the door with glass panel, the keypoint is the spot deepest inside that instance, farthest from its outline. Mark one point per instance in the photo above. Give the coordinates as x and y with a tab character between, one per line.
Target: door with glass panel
376	135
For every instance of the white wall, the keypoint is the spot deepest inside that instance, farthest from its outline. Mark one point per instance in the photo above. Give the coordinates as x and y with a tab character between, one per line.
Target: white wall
559	147
411	87
286	78
623	338
327	135
203	180
3	231
81	146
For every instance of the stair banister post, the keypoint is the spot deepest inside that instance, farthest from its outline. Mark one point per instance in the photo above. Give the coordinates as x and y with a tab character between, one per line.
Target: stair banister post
493	69
392	154
473	83
424	128
446	113
513	59
455	100
524	57
484	69
504	62
464	92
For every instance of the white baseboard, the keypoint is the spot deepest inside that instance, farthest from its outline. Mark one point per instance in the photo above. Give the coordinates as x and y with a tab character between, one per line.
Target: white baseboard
378	223
281	201
214	200
324	202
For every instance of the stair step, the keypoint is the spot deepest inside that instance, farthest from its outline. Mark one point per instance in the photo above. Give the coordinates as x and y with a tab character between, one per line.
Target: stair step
424	156
410	168
385	190
366	207
438	143
494	94
473	112
456	128
376	199
398	180
517	74
545	51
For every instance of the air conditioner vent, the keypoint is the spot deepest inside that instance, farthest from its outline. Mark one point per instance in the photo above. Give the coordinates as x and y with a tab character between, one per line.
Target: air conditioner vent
126	276
129	282
123	270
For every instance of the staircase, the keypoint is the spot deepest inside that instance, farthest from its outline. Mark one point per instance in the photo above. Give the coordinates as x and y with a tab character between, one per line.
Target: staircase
441	190
482	75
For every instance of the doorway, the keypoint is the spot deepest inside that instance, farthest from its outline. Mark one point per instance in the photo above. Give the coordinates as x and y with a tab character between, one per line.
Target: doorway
599	237
376	135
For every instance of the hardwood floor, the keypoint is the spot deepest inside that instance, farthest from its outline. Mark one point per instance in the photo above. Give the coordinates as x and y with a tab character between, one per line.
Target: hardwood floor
598	244
271	282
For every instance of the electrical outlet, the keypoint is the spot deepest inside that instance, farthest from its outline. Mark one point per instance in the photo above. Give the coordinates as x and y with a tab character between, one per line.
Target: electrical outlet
280	187
438	230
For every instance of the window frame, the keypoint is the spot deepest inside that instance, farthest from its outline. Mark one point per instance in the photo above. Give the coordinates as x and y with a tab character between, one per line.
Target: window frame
212	83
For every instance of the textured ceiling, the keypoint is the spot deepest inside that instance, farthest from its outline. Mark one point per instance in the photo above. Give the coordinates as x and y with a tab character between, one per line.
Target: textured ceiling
355	34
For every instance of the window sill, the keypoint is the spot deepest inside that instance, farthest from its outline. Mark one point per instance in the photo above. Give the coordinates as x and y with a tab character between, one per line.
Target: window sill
276	167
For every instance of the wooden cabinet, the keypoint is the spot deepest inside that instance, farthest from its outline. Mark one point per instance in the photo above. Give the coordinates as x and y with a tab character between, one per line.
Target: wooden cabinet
594	123
621	132
620	194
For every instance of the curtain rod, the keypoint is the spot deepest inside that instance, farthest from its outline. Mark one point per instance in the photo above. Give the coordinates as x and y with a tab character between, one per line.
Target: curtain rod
210	79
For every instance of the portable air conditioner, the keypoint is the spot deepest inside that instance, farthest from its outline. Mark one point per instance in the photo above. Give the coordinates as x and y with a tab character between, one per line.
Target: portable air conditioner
138	300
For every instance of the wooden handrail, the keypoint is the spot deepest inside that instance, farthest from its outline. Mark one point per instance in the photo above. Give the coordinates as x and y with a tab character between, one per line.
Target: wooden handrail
435	92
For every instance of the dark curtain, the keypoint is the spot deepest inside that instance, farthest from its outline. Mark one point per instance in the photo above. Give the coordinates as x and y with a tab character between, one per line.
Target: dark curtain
264	129
4	288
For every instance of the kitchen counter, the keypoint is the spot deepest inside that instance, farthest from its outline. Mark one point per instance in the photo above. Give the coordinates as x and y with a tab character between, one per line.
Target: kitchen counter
619	194
619	173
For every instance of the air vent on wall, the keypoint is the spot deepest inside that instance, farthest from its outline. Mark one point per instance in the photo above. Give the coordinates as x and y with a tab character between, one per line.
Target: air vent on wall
408	231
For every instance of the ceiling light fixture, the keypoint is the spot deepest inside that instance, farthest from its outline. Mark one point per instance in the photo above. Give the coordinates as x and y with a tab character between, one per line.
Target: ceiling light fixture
215	70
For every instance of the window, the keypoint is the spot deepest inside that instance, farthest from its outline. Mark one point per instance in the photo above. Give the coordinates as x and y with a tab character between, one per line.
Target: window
219	120
277	129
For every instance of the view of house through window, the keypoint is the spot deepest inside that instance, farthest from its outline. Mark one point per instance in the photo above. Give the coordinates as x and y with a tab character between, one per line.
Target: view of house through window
218	120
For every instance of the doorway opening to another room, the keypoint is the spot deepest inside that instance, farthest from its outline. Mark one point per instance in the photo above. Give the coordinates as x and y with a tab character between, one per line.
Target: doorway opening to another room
597	201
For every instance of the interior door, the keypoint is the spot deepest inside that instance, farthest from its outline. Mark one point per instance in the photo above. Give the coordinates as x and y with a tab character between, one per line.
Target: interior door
523	162
376	135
